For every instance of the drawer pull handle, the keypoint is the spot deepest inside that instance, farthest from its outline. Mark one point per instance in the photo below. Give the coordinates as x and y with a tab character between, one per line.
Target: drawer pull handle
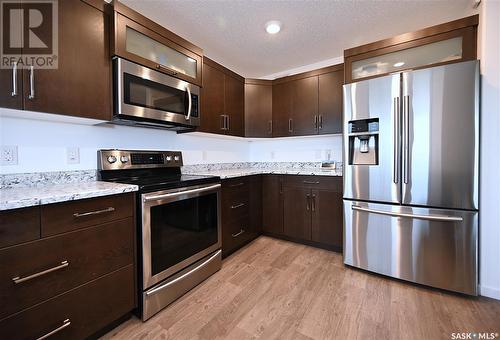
238	233
97	212
65	324
18	279
310	182
238	206
237	185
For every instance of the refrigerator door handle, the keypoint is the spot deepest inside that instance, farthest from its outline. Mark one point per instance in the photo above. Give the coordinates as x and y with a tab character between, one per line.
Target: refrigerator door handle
406	138
442	218
395	172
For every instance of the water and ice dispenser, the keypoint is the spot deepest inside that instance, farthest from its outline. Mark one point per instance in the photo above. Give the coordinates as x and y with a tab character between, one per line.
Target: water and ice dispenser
363	142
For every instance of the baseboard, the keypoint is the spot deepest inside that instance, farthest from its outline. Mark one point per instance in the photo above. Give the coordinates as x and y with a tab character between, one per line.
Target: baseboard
490	292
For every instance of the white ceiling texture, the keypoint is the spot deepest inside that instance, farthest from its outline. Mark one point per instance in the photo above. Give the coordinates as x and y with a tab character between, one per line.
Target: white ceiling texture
232	32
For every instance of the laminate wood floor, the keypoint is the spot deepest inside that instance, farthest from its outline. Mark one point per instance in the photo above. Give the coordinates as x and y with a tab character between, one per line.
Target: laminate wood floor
273	289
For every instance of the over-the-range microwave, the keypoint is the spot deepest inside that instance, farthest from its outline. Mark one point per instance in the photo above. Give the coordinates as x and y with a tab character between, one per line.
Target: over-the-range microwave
143	96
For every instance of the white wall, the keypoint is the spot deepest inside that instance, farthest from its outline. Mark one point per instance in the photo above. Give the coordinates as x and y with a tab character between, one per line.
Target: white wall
490	149
42	140
297	149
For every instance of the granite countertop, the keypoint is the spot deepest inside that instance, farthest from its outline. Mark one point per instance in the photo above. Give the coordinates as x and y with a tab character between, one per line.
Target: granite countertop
20	197
231	173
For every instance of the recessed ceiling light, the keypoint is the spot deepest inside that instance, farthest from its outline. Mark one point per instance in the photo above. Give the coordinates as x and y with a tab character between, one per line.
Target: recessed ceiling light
399	64
273	27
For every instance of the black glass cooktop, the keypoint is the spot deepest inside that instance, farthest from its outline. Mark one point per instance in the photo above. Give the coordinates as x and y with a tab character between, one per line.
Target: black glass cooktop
156	179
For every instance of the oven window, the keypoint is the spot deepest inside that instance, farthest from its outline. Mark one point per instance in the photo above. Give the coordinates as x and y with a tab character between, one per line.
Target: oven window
152	95
182	229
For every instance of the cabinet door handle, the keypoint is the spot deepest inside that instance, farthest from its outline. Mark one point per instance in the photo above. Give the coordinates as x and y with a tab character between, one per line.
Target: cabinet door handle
222	122
228	122
313	203
238	233
308	198
19	279
311	182
65	324
97	212
236	206
320	122
270	127
236	185
14	80
316	122
167	69
290	125
32	83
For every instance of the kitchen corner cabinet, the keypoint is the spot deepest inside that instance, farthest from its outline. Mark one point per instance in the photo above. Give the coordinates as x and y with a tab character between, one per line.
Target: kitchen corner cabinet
272	204
312	208
258	108
81	84
222	100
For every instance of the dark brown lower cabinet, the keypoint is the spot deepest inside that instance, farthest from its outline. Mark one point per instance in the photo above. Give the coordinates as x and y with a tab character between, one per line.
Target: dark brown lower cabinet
312	208
241	212
272	204
297	212
68	270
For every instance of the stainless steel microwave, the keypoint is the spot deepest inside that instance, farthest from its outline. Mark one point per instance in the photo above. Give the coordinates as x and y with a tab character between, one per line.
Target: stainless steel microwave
143	96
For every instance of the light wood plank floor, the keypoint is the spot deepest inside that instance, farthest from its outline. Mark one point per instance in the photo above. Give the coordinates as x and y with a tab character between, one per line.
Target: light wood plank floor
274	289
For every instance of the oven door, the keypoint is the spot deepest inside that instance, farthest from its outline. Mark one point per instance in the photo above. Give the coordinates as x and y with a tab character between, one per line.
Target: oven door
179	227
147	95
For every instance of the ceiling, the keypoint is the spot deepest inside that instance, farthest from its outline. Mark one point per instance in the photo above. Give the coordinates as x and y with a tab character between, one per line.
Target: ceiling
232	32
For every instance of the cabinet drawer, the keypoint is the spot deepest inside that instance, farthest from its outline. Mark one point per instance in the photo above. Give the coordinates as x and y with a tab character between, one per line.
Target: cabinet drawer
19	225
235	234
67	216
64	262
87	310
235	185
313	182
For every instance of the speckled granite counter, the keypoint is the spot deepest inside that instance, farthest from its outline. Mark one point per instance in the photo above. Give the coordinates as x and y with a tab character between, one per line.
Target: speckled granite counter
19	197
231	170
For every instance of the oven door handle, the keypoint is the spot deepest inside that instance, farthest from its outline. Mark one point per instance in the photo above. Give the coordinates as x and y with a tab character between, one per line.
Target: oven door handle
163	286
180	193
190	103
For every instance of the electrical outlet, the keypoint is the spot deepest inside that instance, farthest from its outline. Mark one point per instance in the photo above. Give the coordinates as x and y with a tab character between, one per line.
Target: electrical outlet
9	155
73	155
328	155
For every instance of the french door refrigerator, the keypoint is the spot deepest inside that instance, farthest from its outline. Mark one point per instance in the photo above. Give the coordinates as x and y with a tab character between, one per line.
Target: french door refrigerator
411	148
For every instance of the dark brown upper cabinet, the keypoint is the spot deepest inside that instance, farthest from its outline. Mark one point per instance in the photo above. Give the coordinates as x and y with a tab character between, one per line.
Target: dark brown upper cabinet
222	100
258	108
450	42
309	103
330	97
282	110
81	83
143	41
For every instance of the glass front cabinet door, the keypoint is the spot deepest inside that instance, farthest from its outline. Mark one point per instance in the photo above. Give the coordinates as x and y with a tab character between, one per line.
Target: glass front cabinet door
144	46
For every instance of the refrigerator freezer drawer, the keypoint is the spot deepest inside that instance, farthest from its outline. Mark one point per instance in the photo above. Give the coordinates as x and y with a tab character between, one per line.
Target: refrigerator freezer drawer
433	247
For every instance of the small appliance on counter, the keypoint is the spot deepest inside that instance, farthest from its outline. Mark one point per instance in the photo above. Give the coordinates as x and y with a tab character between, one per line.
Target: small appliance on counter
178	223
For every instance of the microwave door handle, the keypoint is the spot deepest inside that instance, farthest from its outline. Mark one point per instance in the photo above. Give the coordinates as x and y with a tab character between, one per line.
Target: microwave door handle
190	103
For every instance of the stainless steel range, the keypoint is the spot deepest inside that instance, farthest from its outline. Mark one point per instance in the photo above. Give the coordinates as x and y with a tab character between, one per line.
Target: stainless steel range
179	228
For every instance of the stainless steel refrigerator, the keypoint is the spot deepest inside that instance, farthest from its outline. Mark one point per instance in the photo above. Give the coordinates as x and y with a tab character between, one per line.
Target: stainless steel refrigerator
411	149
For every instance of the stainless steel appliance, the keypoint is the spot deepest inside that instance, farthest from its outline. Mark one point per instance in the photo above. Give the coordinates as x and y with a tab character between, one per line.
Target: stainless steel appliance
179	227
411	143
143	96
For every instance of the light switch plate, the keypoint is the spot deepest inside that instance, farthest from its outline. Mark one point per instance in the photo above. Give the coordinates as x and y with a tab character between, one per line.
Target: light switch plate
8	155
73	155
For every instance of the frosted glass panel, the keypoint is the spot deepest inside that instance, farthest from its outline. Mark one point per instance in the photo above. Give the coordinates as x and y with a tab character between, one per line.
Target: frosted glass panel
429	54
143	46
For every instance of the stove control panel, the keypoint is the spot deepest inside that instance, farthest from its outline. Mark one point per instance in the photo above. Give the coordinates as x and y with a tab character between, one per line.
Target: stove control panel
112	159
